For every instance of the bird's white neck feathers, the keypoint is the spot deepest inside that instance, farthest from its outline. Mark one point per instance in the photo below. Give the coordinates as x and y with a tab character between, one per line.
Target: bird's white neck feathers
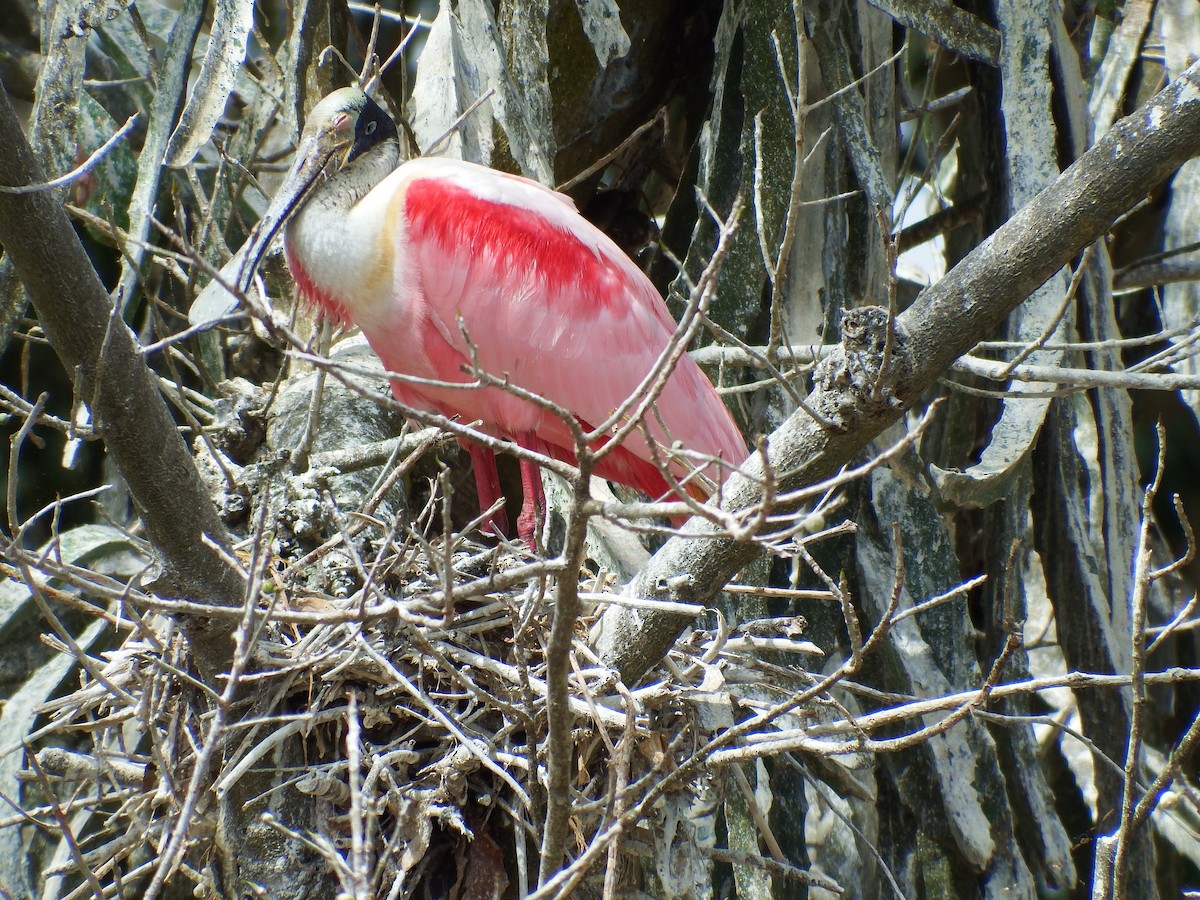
336	238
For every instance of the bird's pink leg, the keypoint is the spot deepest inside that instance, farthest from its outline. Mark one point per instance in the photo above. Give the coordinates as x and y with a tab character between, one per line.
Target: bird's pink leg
487	485
533	504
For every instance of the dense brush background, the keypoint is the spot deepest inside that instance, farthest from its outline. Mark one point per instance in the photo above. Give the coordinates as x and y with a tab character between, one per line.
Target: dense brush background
837	124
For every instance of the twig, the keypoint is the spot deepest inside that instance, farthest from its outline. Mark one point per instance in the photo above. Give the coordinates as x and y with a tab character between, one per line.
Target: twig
359	871
559	746
441	138
1142	577
82	169
660	118
68	833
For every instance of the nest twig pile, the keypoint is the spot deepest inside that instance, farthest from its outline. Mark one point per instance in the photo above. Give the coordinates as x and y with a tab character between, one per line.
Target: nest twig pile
408	730
382	730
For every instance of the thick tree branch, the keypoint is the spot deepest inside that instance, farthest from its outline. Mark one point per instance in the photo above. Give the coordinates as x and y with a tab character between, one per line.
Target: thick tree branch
77	315
946	321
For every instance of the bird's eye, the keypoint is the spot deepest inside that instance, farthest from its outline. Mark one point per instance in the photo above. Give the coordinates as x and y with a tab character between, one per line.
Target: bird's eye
370	129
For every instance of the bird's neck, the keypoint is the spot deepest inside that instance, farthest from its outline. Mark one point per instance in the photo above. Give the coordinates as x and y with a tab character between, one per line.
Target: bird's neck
326	252
342	190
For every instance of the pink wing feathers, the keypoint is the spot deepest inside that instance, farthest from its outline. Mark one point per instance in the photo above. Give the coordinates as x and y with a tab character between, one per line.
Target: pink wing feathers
548	301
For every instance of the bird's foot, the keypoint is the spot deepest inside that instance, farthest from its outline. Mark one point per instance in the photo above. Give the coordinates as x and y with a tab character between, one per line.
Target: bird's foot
528	523
533	504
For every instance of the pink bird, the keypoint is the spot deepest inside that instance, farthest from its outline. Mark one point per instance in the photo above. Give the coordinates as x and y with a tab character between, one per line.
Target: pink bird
418	255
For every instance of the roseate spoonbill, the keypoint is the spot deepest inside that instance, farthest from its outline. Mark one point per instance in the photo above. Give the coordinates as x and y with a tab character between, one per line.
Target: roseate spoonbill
418	255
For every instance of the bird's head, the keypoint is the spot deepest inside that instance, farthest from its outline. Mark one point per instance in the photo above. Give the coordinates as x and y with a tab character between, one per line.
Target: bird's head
348	139
344	130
